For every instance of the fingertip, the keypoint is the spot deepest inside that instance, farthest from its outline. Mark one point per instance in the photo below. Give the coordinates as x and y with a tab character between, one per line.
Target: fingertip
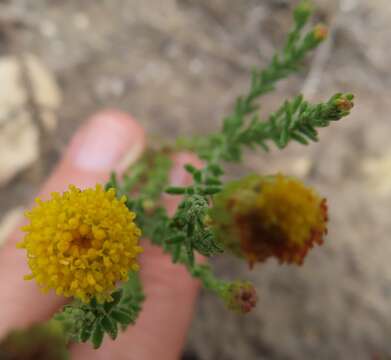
104	139
110	140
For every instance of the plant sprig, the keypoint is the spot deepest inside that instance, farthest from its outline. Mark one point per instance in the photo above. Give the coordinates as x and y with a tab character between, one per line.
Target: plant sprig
187	232
295	120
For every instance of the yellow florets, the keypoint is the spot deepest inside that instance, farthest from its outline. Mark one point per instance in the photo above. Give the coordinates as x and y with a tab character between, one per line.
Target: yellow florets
272	216
81	243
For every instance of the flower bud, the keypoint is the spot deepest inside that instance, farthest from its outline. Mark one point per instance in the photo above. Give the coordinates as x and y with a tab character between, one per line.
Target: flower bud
259	217
320	32
344	103
240	297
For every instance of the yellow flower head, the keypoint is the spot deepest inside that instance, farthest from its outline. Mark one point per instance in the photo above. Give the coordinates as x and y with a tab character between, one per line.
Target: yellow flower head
273	216
81	243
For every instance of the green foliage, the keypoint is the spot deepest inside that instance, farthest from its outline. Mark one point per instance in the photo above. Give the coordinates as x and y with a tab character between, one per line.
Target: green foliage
187	232
90	322
295	120
286	62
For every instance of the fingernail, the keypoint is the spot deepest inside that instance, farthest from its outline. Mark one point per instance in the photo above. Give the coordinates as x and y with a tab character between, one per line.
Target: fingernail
104	141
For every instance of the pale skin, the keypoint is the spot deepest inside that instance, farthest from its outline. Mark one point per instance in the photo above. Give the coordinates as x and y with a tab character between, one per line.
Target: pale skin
109	140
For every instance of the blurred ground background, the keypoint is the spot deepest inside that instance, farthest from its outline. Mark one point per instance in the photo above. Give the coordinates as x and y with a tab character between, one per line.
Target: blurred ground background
177	66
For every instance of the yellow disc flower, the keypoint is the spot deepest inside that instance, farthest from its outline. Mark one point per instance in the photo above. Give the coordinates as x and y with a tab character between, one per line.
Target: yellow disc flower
81	243
259	217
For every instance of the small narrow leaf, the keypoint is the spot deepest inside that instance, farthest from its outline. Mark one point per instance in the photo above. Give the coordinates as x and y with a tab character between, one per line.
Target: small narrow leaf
299	138
175	240
122	317
97	335
284	137
176	190
296	103
85	333
110	327
190	168
189	191
177	253
212	181
215	169
310	132
211	190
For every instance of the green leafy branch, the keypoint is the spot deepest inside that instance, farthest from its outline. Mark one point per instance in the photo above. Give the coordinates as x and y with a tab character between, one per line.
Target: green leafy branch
296	120
283	64
224	145
166	232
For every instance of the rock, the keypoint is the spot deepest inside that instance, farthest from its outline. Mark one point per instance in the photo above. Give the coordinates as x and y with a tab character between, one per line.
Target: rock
19	133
